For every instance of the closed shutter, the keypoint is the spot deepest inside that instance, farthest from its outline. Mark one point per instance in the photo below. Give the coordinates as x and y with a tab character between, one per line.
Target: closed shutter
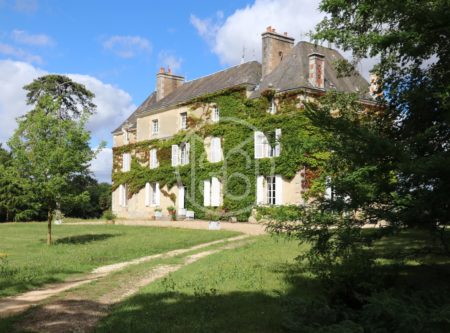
260	190
180	197
259	144
218	150
206	193
277	142
278	190
174	155
188	150
215	192
157	195
126	161
147	194
328	188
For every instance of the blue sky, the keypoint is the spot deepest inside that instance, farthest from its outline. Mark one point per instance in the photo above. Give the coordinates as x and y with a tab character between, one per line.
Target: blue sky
116	47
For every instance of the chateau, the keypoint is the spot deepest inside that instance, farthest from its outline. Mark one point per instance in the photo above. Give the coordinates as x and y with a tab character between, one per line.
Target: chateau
227	142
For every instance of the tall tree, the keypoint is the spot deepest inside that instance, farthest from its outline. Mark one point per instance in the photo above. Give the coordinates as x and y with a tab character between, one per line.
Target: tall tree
48	152
74	99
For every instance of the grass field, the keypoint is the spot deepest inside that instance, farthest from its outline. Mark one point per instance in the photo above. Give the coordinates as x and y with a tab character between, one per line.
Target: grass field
26	261
238	290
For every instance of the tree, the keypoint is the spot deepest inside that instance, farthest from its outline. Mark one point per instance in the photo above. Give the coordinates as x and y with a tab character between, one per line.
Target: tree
48	152
412	41
73	97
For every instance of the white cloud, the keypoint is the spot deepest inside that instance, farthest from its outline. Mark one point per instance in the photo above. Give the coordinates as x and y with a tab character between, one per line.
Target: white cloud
12	51
101	166
127	46
242	29
23	37
170	60
113	105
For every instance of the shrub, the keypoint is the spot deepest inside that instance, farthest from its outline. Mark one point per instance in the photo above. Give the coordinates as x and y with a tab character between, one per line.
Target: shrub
109	215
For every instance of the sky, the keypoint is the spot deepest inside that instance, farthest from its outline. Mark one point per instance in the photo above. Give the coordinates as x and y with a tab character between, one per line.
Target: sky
116	47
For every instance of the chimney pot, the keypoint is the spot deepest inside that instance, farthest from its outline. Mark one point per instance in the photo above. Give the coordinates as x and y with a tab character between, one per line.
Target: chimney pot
162	70
269	28
169	71
285	34
273	29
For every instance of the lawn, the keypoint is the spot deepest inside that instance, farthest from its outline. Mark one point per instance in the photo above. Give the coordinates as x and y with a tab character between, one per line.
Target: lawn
235	290
261	288
26	262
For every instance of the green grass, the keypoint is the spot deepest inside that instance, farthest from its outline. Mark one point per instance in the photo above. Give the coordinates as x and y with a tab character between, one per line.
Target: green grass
236	290
30	263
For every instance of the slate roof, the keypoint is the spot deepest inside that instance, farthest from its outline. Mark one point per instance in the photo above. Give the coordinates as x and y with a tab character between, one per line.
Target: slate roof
293	72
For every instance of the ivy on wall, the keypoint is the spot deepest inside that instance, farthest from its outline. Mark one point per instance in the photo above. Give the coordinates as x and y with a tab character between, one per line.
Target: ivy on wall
239	118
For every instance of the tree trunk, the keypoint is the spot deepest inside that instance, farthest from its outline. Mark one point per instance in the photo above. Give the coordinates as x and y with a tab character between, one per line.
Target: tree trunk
49	227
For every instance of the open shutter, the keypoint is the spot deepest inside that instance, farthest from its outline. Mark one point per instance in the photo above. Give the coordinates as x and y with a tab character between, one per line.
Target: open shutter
147	194
212	151
260	190
218	150
277	142
174	155
157	195
215	192
259	144
180	197
206	193
328	188
278	190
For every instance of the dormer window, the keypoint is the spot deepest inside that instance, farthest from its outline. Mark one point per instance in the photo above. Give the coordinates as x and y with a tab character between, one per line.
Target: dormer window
183	120
272	107
155	127
215	115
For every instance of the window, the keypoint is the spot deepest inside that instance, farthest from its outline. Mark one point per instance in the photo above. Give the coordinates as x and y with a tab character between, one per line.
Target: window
123	195
153	159
263	148
215	115
212	192
273	107
183	120
155	127
215	153
152	194
126	139
269	190
180	154
126	162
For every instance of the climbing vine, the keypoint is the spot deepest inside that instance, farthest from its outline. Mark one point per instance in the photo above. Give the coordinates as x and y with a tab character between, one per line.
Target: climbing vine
239	118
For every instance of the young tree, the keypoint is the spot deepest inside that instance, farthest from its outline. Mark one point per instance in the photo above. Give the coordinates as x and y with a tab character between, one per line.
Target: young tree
48	152
74	99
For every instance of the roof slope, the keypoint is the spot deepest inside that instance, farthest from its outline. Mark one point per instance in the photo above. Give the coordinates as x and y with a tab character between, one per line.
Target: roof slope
293	72
131	120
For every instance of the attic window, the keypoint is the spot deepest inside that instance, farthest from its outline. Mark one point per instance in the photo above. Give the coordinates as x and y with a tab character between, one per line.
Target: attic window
272	107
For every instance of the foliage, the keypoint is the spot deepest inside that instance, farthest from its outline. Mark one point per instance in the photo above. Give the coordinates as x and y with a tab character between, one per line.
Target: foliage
301	148
75	100
109	215
48	152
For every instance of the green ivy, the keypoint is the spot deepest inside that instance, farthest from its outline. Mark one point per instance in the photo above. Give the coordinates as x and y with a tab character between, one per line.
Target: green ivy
300	147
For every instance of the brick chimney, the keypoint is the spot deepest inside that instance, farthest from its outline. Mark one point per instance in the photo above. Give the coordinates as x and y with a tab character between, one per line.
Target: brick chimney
317	70
166	82
275	47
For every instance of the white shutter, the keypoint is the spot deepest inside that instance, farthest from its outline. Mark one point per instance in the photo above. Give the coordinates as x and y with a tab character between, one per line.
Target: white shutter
206	193
212	151
157	195
180	197
188	149
174	155
218	150
126	162
277	142
215	192
278	190
259	145
123	195
328	188
147	194
153	159
260	190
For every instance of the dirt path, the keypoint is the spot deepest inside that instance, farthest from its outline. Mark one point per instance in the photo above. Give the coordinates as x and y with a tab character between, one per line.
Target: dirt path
16	304
246	228
78	314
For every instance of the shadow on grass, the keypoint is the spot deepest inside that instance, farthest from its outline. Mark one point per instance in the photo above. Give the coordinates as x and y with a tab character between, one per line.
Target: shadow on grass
83	239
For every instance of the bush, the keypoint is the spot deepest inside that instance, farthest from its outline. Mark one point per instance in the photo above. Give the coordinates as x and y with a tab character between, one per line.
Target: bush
109	215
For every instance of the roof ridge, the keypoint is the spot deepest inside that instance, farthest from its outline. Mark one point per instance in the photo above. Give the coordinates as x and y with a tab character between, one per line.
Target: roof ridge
222	70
